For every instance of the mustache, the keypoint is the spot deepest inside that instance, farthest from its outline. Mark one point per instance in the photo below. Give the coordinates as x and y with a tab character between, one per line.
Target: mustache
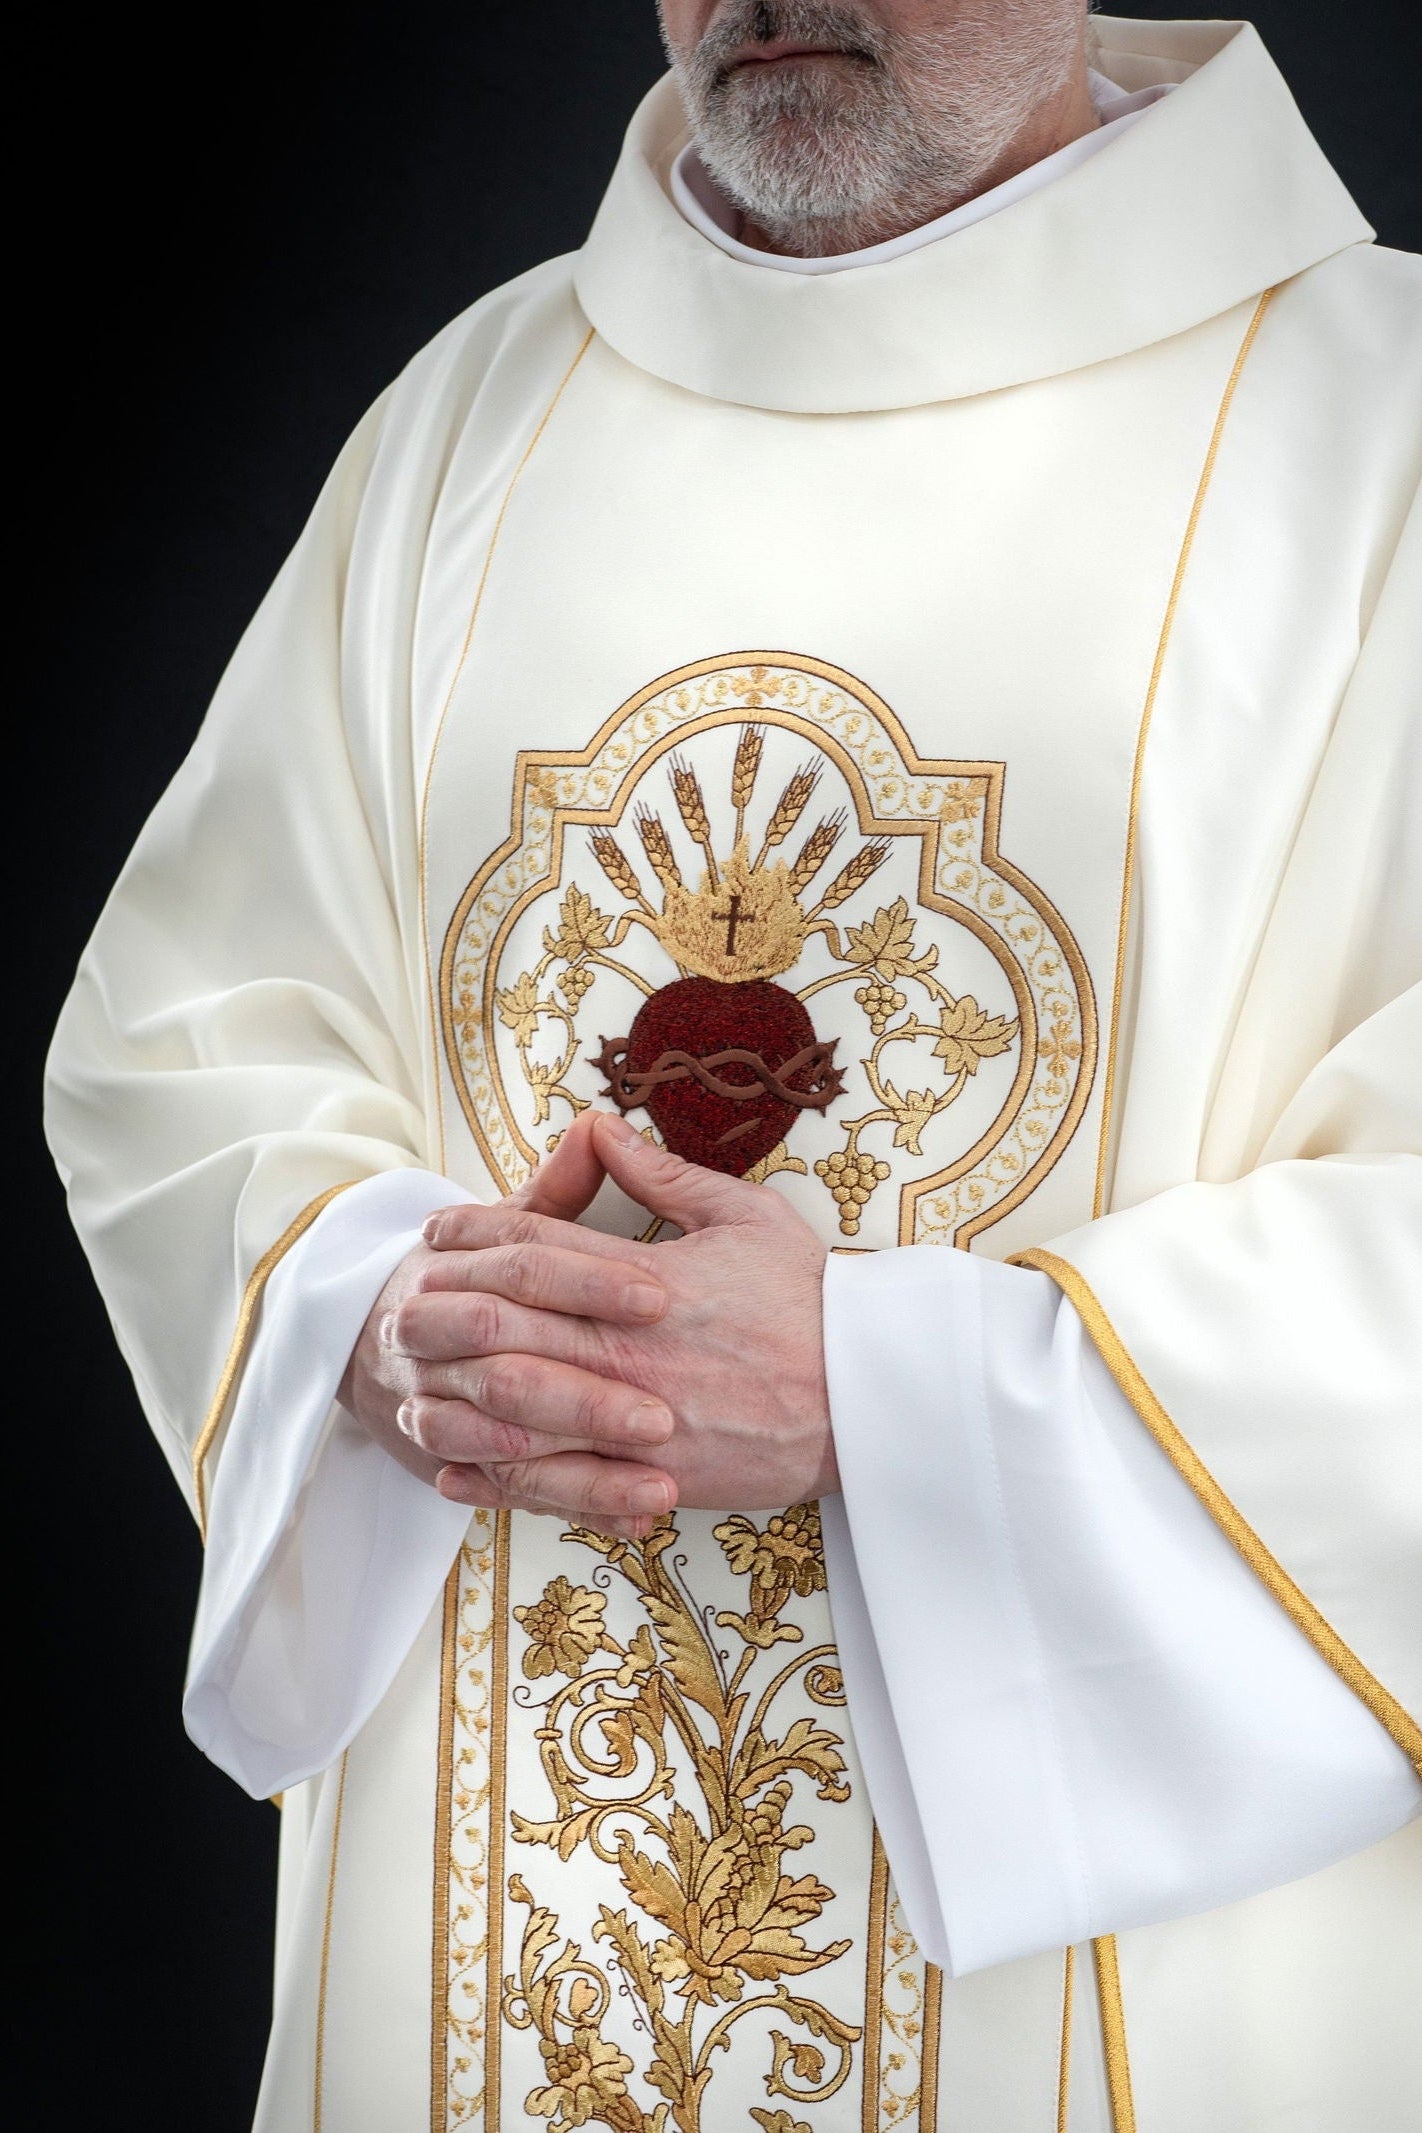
842	30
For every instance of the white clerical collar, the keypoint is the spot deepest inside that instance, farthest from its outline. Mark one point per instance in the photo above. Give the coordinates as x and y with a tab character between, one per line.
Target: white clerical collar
708	210
1215	193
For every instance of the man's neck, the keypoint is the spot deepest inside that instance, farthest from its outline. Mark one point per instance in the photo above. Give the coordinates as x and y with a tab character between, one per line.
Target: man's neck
1064	117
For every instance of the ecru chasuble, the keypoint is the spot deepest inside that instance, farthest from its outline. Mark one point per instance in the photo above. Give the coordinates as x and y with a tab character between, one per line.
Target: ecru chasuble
986	680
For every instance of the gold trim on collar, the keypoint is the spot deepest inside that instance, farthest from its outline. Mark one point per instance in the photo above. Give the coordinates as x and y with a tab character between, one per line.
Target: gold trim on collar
236	1354
1232	1523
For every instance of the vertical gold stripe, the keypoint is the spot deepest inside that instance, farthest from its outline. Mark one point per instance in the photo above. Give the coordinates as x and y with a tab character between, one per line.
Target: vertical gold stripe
444	1808
498	1775
246	1316
1157	668
1232	1523
1113	2035
320	2069
932	2041
533	443
874	1982
1064	2062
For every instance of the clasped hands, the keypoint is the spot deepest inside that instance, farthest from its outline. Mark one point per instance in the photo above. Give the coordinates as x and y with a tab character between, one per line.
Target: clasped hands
518	1361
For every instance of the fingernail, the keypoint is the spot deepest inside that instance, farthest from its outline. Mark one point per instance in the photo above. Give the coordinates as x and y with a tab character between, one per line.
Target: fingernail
429	1228
621	1130
649	1500
650	1423
646	1300
405	1418
387	1330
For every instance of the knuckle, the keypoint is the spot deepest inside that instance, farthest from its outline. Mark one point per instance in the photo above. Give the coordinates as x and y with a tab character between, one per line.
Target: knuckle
407	1323
595	1412
501	1386
482	1321
506	1441
520	1479
525	1273
519	1226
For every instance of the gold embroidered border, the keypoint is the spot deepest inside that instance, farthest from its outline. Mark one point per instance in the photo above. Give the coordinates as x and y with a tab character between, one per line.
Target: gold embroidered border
874	1983
1128	875
246	1318
932	2039
532	761
1064	2062
444	1803
1113	2035
423	852
498	1815
319	2070
1232	1523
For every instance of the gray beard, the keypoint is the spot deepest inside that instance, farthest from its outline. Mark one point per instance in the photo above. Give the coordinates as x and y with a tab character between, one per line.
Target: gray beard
831	155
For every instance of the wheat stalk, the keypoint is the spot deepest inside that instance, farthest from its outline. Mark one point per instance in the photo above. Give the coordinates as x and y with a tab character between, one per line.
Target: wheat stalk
743	772
853	876
617	867
657	846
691	801
815	851
788	810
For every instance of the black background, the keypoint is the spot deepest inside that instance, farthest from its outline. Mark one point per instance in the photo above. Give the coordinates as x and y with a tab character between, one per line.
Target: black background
231	246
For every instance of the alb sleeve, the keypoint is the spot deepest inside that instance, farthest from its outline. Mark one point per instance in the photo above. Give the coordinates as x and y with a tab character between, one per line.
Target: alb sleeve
1077	1707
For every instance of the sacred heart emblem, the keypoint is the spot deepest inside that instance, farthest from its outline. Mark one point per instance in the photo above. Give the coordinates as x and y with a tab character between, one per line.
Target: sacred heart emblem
723	1061
723	1070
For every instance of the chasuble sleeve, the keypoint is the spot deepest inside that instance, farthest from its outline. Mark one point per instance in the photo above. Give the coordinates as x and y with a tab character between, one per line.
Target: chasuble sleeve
1264	1319
235	1101
241	1038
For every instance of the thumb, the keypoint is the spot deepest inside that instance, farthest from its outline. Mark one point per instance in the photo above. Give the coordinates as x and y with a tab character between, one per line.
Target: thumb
567	1182
661	1182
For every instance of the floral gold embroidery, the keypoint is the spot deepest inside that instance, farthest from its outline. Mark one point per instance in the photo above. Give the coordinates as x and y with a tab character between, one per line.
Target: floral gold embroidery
716	1924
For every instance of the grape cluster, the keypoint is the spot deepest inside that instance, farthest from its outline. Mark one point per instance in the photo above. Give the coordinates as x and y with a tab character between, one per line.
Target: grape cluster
574	983
851	1176
880	1003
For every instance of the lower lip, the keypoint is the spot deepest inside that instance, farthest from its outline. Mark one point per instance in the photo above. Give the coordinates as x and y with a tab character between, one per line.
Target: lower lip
788	59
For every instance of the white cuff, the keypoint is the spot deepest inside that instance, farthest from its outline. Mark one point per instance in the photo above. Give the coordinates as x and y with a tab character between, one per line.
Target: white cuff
1077	1709
324	1557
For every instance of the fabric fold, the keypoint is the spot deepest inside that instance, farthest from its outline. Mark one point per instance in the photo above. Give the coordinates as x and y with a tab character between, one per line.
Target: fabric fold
1123	1726
324	1556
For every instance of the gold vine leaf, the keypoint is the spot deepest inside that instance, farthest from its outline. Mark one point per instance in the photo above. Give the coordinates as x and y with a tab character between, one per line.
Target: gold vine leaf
969	1034
519	1007
582	928
886	942
912	1112
778	2121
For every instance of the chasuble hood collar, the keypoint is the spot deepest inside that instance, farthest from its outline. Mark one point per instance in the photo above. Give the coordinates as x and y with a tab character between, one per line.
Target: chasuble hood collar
1215	194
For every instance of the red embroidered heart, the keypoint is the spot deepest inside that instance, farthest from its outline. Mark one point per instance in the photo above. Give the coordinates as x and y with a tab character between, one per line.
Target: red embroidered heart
681	1059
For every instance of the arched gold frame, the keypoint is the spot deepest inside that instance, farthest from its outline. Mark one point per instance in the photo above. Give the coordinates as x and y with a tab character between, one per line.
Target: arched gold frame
991	775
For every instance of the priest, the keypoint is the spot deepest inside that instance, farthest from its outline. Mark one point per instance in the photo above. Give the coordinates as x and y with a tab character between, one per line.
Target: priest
751	1119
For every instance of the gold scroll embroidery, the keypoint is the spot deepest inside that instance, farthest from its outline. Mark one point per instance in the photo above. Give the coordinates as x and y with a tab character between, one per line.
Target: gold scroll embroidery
713	1911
